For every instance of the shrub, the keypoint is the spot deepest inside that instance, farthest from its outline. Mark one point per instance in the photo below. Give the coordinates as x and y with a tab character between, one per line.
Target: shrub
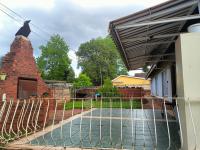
108	90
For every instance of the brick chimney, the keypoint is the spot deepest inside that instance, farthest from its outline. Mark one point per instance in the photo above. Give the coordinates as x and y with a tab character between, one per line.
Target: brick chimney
22	76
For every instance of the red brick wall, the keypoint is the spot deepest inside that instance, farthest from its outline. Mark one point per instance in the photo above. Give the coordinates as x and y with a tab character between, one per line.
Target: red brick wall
131	92
19	62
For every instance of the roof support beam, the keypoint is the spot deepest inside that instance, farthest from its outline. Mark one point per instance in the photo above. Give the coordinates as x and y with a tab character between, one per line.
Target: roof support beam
160	21
166	11
149	44
159	30
184	22
142	38
152	61
151	56
164	60
118	38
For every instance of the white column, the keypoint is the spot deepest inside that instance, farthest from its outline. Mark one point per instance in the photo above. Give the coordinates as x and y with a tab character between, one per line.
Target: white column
188	86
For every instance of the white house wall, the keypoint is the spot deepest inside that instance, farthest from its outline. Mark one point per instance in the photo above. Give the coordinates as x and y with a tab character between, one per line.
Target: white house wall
153	86
169	84
161	84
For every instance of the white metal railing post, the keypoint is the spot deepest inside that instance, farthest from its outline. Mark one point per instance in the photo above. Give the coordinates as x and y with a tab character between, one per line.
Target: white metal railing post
154	121
36	120
11	124
5	120
81	140
193	125
1	114
30	114
90	132
34	112
27	123
143	121
110	121
168	131
180	126
24	115
61	128
71	122
45	120
20	118
133	141
52	127
100	134
3	109
40	105
121	131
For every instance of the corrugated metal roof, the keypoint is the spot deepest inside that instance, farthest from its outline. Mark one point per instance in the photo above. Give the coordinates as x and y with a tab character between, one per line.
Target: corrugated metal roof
143	37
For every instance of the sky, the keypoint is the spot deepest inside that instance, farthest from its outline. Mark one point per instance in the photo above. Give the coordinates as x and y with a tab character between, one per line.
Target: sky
77	21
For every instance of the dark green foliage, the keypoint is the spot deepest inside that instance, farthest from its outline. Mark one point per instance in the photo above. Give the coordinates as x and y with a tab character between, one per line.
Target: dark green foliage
108	90
99	58
54	63
145	68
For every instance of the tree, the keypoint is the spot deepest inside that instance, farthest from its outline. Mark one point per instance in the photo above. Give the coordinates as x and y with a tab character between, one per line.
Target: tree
121	69
54	63
108	90
82	81
99	59
145	69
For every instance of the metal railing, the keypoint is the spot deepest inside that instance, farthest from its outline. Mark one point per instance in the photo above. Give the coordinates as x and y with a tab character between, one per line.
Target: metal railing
108	122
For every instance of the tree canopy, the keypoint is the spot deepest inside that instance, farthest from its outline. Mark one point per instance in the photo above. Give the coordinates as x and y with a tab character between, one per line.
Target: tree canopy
54	63
145	68
99	59
82	81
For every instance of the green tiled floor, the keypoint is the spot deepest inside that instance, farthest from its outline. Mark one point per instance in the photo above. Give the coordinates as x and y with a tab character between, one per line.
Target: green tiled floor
137	140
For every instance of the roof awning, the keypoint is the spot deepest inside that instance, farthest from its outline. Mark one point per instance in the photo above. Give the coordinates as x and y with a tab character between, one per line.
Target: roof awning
143	38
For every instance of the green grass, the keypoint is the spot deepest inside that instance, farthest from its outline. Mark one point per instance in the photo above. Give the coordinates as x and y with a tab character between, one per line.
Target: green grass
126	104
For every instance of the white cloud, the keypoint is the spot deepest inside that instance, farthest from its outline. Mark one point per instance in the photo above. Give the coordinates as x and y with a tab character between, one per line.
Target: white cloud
114	3
20	4
76	20
73	57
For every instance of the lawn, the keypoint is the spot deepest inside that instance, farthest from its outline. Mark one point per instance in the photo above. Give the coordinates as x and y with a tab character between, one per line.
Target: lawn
126	104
